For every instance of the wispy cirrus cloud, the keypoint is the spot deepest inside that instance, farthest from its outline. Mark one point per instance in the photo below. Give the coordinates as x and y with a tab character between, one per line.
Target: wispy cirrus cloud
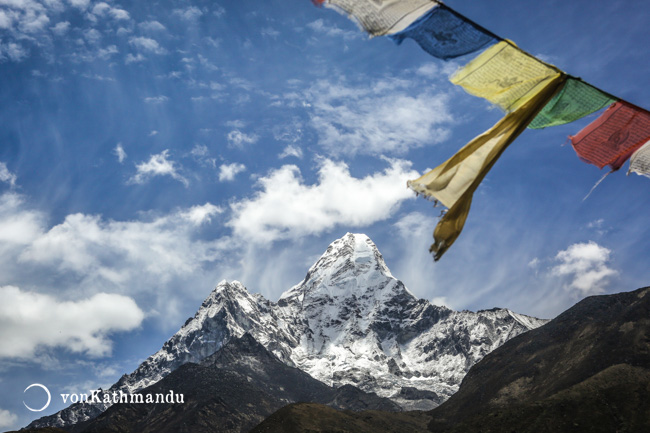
386	116
156	99
324	30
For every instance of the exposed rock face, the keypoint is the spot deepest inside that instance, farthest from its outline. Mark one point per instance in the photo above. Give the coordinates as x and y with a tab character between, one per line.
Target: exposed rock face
229	391
348	322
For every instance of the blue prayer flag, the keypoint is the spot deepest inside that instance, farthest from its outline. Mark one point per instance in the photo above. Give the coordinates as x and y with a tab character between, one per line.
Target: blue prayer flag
445	34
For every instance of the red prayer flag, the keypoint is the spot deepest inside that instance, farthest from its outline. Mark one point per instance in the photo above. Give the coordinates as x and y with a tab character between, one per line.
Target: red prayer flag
614	136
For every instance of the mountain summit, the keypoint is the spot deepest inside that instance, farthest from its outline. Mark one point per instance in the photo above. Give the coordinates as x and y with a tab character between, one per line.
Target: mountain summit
350	321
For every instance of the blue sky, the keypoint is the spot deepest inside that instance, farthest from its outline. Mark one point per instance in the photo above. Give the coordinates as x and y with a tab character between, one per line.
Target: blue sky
149	150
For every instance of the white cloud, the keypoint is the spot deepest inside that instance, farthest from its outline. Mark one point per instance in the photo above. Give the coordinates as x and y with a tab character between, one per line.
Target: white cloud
29	321
428	70
105	53
81	4
238	139
286	207
270	32
388	116
61	28
152	26
218	11
289	133
199	215
101	8
199	150
120	153
319	26
117	254
92	35
97	77
233	123
7	419
586	266
159	259
156	99
158	165
104	9
147	44
442	301
6	20
13	51
119	14
130	58
17	226
227	172
6	175
191	13
291	150
597	224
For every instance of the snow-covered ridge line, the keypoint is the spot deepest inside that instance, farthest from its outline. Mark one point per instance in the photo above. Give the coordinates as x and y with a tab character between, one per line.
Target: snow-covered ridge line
350	321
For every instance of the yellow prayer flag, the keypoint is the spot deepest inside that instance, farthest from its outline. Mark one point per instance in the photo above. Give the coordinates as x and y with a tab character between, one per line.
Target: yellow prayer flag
453	183
505	76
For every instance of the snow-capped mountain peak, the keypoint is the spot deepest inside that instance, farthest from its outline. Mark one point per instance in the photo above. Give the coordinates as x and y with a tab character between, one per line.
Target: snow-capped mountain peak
350	321
349	266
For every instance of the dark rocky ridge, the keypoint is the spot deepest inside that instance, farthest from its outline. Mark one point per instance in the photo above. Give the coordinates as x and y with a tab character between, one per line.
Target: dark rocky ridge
229	391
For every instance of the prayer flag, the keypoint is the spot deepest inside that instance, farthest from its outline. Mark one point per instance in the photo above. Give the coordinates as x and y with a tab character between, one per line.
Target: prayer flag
445	34
505	76
614	136
381	17
576	100
453	183
640	161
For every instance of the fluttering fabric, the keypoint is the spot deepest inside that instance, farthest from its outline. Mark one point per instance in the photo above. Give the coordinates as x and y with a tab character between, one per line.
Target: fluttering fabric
381	17
505	76
640	161
576	100
453	183
533	93
445	34
614	136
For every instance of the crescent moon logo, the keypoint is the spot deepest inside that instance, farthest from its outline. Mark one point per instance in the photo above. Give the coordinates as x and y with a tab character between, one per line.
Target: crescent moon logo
49	397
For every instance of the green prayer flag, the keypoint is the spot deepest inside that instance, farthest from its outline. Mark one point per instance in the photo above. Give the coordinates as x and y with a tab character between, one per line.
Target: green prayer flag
576	100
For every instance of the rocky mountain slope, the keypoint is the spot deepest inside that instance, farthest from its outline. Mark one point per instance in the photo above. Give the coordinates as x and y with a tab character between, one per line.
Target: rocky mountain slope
588	370
348	322
230	391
